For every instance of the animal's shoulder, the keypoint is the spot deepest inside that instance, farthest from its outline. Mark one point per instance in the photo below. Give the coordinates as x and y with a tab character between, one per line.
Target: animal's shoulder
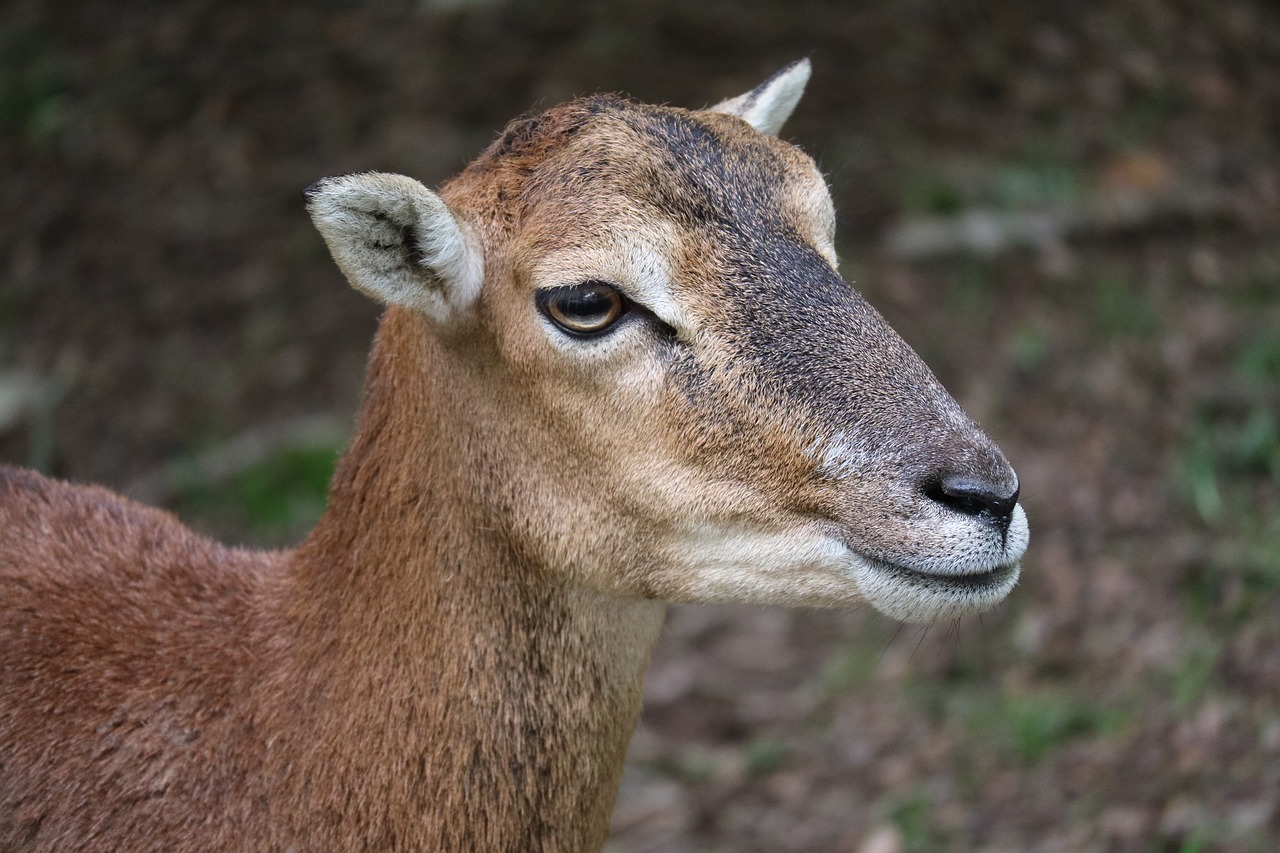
79	540
125	642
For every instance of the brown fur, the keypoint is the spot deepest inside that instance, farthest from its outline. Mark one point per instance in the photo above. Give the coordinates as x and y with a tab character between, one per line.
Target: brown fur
163	692
452	660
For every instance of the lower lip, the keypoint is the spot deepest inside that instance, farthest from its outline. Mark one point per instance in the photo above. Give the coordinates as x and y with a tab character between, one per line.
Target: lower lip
921	597
977	582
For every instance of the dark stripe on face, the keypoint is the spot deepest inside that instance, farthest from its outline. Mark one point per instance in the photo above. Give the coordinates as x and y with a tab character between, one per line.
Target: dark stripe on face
702	182
801	336
815	341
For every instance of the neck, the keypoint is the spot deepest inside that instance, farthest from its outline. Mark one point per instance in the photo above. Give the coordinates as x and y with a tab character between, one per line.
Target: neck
457	696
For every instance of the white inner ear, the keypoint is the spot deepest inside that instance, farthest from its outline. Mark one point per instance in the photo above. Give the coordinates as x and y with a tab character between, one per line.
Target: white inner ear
768	106
398	242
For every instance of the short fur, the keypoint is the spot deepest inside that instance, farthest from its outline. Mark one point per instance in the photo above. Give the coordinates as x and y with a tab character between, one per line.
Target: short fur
452	660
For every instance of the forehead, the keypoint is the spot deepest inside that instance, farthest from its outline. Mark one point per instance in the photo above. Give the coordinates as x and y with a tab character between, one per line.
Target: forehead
679	208
605	158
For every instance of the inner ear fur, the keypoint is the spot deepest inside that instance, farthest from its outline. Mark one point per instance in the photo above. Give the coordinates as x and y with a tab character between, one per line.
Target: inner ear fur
398	242
768	106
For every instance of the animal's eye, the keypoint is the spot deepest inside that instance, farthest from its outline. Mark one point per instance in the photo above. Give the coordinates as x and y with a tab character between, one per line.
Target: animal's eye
583	309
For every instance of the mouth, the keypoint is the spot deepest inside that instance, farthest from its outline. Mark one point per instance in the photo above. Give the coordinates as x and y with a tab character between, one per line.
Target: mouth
915	596
968	573
974	582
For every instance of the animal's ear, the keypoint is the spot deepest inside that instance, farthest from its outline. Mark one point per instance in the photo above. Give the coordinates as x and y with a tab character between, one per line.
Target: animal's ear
398	242
767	106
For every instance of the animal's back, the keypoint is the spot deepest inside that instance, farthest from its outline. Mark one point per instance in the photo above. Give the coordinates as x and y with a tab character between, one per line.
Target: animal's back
127	648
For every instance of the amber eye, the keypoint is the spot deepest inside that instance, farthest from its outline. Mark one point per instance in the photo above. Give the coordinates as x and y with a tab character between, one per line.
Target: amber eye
583	309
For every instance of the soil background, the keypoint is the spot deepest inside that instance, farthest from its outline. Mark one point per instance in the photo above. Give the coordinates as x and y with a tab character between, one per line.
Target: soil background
1071	210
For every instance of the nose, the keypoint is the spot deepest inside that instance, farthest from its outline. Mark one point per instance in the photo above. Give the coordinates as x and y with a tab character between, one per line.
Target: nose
990	503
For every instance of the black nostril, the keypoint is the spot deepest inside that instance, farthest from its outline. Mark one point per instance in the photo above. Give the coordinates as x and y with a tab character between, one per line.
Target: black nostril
974	497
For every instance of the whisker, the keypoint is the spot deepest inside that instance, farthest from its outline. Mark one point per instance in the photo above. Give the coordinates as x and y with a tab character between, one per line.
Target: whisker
923	634
883	651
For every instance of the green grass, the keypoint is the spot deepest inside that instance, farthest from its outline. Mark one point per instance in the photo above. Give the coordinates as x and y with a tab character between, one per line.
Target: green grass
850	670
286	490
690	766
1146	114
972	295
1120	308
1028	727
1255	289
911	814
1195	841
1228	471
765	755
925	191
1030	349
1020	186
273	502
1038	724
1193	680
32	93
1258	359
1037	182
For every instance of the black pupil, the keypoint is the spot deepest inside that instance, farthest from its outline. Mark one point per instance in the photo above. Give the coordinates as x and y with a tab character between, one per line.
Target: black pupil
589	305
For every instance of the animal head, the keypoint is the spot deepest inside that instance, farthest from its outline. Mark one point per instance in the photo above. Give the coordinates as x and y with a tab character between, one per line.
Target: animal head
668	388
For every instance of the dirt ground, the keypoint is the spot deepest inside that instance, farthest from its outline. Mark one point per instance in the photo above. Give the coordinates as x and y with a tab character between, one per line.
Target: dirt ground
1072	211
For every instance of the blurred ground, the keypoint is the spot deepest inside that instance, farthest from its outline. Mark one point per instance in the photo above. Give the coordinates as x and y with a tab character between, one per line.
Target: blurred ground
1073	212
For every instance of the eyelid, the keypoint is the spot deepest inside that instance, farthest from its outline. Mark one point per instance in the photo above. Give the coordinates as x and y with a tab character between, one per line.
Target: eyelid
642	263
656	303
630	307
